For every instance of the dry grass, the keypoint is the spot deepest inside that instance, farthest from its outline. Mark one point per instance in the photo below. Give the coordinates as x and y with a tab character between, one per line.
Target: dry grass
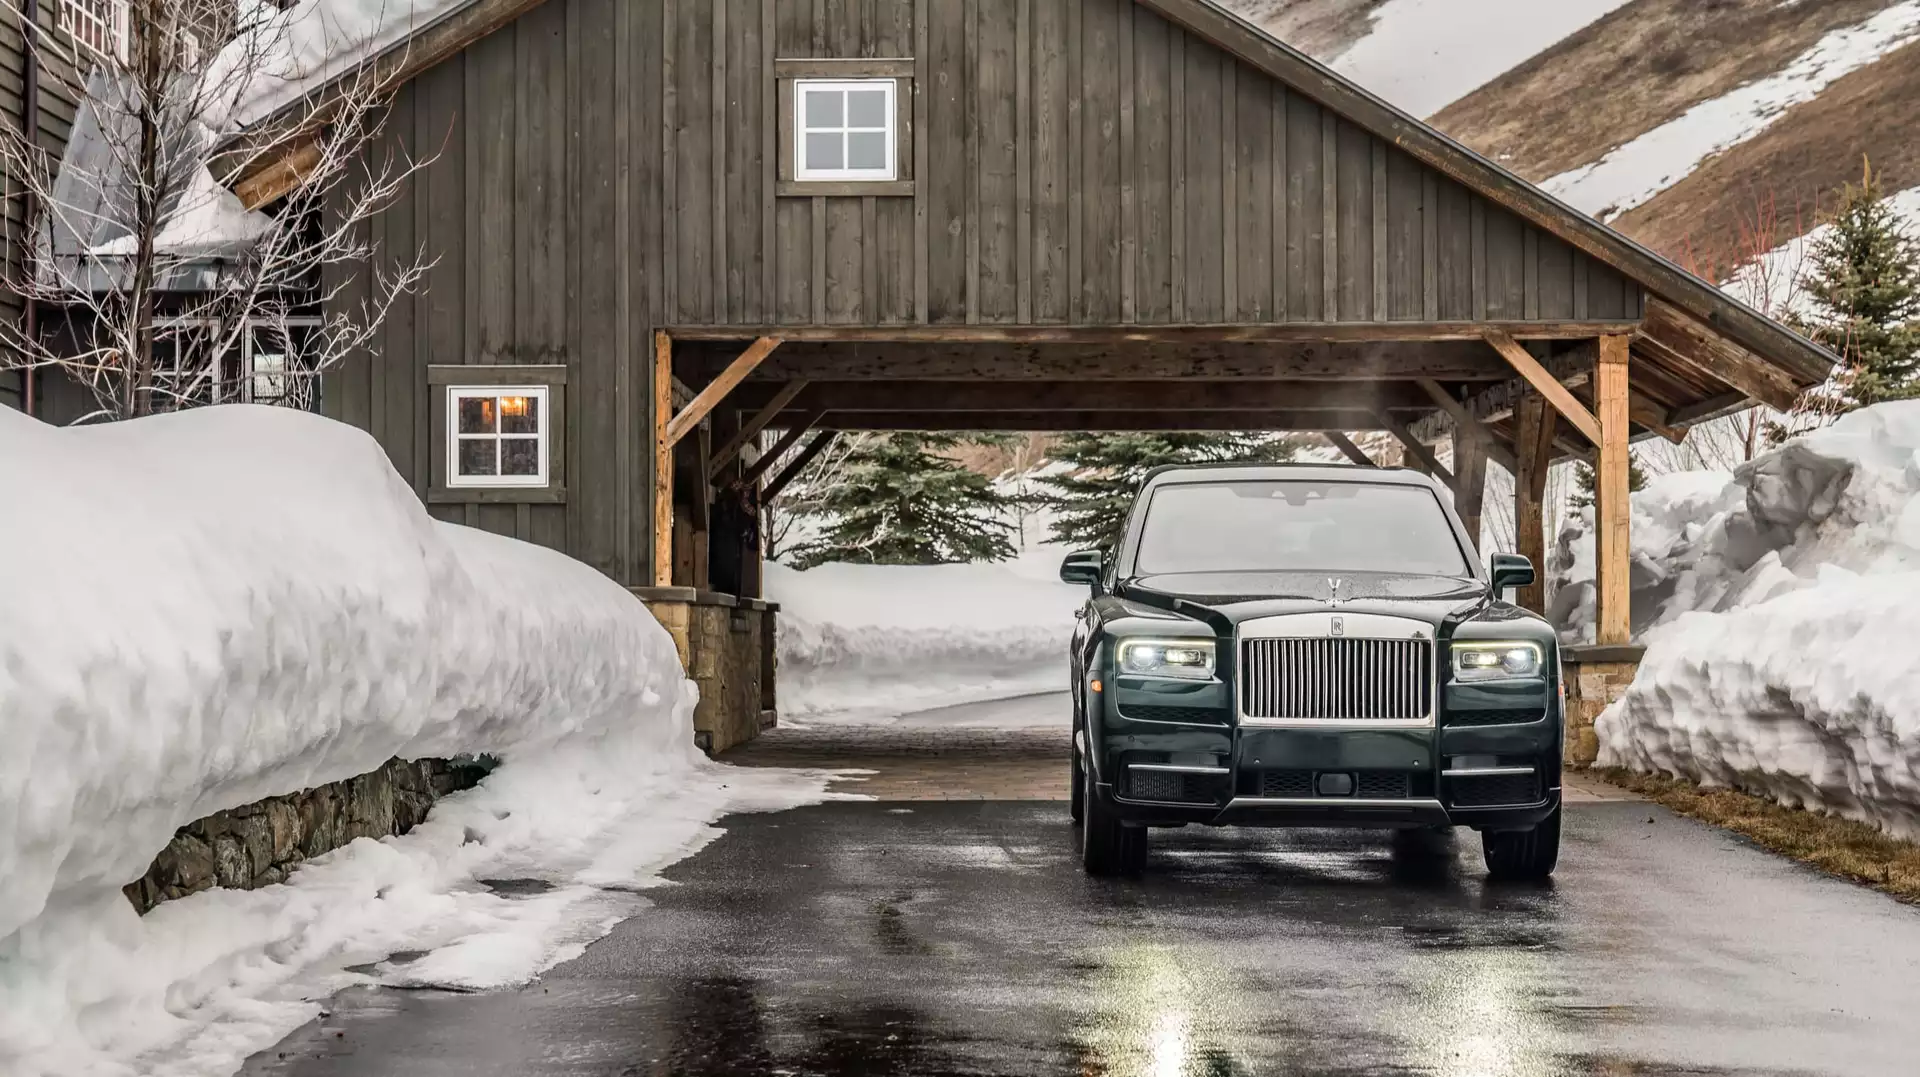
1840	847
1320	28
1642	65
1797	163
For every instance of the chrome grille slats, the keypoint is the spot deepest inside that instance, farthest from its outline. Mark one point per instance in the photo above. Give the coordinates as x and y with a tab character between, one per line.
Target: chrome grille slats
1336	679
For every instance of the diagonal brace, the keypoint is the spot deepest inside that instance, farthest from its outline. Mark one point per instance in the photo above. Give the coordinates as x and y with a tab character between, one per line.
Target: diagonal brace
792	471
710	397
1545	384
1346	446
725	454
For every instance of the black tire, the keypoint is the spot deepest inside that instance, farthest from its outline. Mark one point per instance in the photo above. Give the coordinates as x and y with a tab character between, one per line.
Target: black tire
1077	783
1523	855
1106	846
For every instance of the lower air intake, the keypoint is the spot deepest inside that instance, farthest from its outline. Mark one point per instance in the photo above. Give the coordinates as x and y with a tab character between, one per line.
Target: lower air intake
1494	790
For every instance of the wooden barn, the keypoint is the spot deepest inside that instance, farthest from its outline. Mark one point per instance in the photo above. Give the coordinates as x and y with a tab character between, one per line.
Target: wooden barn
669	230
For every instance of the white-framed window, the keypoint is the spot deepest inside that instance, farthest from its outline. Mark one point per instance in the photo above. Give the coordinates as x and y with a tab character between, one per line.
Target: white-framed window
844	129
497	435
98	25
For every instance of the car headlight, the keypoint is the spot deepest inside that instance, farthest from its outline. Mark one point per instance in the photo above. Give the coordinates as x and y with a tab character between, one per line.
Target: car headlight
1189	658
1496	661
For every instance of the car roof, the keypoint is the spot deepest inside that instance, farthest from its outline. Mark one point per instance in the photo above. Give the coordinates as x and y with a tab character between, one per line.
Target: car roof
1169	474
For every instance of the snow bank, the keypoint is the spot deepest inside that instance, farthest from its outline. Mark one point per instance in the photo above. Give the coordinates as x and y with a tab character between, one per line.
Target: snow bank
1423	55
287	54
1641	169
872	641
1779	653
217	606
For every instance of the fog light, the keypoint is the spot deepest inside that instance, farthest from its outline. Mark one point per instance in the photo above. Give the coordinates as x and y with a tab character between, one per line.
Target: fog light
1335	785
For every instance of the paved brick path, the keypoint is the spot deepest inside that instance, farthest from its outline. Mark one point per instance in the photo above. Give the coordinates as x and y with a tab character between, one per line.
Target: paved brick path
916	761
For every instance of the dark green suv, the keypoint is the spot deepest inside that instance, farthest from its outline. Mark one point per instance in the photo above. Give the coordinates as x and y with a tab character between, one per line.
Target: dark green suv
1310	646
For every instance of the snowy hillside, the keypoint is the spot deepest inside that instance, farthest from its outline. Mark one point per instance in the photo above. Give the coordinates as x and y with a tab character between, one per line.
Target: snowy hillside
238	602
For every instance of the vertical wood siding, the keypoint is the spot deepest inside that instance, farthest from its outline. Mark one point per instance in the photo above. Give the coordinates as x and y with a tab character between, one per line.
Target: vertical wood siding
608	166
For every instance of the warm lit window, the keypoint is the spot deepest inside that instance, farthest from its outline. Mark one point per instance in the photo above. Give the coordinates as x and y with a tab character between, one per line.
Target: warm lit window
845	129
98	25
497	436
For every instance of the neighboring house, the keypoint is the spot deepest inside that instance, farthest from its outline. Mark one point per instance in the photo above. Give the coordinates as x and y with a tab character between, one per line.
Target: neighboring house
37	99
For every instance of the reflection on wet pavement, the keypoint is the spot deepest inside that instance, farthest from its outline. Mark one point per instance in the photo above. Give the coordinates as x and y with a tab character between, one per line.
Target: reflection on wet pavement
962	939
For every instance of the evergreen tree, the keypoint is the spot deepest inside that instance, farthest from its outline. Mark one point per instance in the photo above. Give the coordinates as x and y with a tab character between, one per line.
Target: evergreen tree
1586	483
900	501
1091	499
1864	286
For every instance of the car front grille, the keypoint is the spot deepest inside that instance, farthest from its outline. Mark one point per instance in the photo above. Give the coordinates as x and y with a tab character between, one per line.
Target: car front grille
1367	784
1354	679
1492	790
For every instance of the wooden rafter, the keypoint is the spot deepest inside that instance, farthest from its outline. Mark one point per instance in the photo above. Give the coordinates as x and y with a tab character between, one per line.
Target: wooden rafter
1464	421
1418	449
1062	421
717	390
983	395
1681	341
1339	440
792	471
795	431
1544	383
1268	333
752	427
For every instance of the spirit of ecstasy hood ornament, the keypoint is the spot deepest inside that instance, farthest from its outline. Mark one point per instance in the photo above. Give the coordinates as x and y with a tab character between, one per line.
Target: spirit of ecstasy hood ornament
1333	590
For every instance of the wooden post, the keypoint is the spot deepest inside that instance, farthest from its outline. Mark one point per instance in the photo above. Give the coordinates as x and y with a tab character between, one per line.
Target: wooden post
1534	424
662	460
1469	479
1613	511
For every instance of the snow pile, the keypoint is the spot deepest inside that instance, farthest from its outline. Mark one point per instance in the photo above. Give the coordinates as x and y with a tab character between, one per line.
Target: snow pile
222	605
1641	169
208	221
872	641
1777	642
1423	55
288	54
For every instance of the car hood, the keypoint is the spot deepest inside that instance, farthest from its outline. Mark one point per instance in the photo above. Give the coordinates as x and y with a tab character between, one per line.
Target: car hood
1224	599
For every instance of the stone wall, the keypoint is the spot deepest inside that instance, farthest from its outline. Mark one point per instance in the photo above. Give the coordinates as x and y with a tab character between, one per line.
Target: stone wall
726	646
259	844
1595	677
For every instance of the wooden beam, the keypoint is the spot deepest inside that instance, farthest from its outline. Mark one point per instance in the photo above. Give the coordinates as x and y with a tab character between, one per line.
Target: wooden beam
988	396
1447	361
717	390
1710	408
1469	480
1573	369
1613	509
1682	341
752	427
1428	461
283	174
1546	384
1345	444
1534	433
1062	421
1266	333
796	430
662	461
1463	420
792	471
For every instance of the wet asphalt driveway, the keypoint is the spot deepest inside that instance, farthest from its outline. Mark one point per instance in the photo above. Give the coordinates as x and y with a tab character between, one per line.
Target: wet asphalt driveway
961	938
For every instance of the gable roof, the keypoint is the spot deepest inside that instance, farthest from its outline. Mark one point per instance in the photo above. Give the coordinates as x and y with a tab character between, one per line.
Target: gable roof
1808	362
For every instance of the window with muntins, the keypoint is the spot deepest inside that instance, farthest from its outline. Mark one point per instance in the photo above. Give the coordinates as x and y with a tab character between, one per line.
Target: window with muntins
99	25
845	128
497	436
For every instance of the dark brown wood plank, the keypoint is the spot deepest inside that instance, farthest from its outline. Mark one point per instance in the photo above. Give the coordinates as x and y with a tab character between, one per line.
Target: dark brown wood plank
490	203
1023	158
1405	239
1355	210
1076	151
1100	171
997	161
1051	158
1203	270
1151	169
944	184
695	204
539	262
971	105
1253	198
843	267
1291	332
1128	163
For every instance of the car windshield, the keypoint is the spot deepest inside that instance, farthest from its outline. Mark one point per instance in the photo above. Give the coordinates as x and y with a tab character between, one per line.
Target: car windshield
1297	526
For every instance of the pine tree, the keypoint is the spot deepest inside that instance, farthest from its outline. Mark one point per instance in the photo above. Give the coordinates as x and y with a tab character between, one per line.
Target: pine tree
900	501
1586	483
1091	499
1864	285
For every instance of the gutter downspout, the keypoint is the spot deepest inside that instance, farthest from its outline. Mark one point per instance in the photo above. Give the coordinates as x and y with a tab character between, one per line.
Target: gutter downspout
30	104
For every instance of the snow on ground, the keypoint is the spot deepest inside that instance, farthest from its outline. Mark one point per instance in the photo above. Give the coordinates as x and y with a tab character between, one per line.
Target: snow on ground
237	602
1635	172
1423	55
864	642
1779	613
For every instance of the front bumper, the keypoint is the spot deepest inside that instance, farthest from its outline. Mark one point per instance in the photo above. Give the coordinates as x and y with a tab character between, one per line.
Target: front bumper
1192	763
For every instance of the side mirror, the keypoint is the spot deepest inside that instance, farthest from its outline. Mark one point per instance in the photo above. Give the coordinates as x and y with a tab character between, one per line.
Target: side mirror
1082	567
1511	570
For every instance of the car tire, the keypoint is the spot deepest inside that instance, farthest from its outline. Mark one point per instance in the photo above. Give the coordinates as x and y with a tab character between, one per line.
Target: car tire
1107	846
1523	855
1076	785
